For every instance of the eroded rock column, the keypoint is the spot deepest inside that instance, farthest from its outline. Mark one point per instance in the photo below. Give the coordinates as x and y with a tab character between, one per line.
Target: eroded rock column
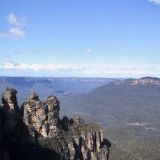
42	118
53	121
10	110
34	116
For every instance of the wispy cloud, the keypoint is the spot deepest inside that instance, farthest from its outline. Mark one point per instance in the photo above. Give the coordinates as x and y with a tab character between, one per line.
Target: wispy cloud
85	70
13	20
155	1
88	50
16	27
40	67
16	32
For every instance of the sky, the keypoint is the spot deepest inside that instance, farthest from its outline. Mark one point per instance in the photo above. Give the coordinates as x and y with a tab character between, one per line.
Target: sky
80	38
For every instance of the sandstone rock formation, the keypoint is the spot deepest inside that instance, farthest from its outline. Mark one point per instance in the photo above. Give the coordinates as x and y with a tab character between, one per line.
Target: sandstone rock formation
10	113
87	141
36	129
42	118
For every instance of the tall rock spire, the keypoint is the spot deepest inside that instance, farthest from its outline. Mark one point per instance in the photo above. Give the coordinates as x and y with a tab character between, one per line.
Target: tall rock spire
42	118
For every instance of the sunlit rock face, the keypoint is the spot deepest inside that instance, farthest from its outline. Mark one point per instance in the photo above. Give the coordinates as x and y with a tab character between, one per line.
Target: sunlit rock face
87	141
141	81
146	80
9	100
42	118
38	124
52	112
34	116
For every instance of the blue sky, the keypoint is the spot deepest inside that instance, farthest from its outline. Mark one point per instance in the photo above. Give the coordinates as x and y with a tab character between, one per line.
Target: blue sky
84	38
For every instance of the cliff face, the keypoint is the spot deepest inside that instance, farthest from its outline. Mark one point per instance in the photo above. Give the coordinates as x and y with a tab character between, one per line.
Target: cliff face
141	81
36	132
42	118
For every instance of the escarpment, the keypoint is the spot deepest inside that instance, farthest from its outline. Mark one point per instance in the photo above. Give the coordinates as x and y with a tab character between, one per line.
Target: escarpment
35	131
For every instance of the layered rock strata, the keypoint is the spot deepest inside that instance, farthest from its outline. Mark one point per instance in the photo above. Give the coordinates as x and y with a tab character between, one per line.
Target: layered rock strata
42	118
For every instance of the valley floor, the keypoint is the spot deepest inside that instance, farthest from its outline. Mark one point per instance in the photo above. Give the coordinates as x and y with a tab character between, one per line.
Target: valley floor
131	144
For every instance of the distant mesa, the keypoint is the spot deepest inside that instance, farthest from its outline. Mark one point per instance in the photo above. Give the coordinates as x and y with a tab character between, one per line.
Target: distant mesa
140	81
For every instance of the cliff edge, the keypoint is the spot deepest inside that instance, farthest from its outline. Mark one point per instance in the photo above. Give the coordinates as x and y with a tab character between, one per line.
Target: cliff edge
35	132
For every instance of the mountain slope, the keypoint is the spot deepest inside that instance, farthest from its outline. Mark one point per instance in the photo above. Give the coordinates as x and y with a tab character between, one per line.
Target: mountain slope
120	103
131	111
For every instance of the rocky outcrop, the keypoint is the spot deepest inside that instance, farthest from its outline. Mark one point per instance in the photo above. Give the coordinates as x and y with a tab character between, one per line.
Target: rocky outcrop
38	124
10	117
87	141
42	118
10	125
10	109
52	112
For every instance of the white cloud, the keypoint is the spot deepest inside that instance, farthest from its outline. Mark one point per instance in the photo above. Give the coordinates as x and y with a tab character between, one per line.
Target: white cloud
12	19
39	67
155	1
85	70
16	32
88	50
16	27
